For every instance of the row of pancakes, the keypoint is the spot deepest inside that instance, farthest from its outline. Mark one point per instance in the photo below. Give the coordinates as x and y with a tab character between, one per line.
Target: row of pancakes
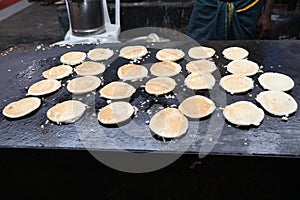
169	122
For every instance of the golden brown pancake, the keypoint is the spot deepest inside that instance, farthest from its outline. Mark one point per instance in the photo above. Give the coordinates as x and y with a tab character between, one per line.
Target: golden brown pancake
276	81
58	72
236	83
21	107
197	107
83	84
200	81
73	58
170	54
165	68
201	66
90	68
243	67
66	112
201	52
133	52
44	87
169	123
243	113
117	90
160	85
235	53
132	72
98	54
115	112
277	103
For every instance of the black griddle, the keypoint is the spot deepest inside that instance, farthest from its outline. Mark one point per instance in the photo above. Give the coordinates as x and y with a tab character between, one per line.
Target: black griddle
22	66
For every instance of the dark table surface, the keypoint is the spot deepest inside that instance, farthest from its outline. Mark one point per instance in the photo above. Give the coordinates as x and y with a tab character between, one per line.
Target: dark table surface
22	66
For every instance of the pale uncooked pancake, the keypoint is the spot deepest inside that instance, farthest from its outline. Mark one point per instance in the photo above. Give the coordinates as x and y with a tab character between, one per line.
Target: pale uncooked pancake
100	54
44	87
200	66
132	72
170	54
115	112
243	113
201	52
200	81
73	58
277	103
22	107
83	84
133	52
235	53
58	72
165	68
197	107
243	67
160	85
169	123
276	81
66	112
117	90
90	68
236	83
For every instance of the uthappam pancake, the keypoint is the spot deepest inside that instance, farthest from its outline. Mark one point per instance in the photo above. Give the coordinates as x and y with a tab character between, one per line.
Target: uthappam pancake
243	113
21	107
58	72
235	53
117	90
66	112
83	84
90	68
277	103
115	112
73	58
98	54
200	81
133	52
170	54
236	83
201	52
197	107
165	68
276	81
243	67
132	72
200	66
44	87
160	85
169	123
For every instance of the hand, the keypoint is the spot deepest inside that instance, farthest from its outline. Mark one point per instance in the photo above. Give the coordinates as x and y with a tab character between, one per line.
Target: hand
264	25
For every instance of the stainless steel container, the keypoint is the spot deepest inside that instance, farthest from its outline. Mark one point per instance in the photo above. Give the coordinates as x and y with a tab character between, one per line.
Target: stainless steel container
86	17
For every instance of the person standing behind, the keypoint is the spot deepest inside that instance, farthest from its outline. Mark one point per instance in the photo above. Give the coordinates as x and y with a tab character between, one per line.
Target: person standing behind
230	19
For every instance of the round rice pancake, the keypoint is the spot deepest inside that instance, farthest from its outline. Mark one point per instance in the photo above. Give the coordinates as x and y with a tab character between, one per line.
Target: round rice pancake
165	68
200	81
243	113
83	84
170	54
132	72
115	113
197	107
133	52
66	112
44	87
201	52
21	107
169	123
58	72
277	103
90	68
276	81
160	85
201	66
73	58
235	53
117	90
235	84
98	54
243	67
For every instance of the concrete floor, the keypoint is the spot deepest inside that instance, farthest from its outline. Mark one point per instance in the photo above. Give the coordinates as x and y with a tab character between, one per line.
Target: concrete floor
35	24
